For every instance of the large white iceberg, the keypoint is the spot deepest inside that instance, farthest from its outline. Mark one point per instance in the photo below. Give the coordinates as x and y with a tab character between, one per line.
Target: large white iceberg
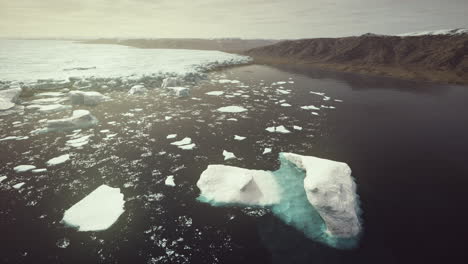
79	119
8	98
231	185
97	211
86	98
316	196
331	190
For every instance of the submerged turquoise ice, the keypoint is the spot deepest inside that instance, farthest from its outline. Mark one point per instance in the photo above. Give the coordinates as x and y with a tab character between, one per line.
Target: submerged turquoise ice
294	208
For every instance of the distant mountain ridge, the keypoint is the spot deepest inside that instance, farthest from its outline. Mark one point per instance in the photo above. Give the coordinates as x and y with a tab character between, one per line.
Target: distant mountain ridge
440	56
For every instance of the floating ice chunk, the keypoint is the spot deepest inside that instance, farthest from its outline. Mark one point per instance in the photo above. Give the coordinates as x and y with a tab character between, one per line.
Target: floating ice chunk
236	137
188	146
58	160
171	136
281	91
285	105
332	191
79	119
170	181
278	83
222	185
47	101
105	131
315	113
13	138
170	82
232	119
87	98
310	107
329	107
266	151
39	170
228	155
228	81
167	118
232	109
19	185
78	142
215	93
180	91
8	98
182	142
278	129
63	243
338	100
48	108
137	90
97	211
317	93
297	128
50	94
2	178
23	168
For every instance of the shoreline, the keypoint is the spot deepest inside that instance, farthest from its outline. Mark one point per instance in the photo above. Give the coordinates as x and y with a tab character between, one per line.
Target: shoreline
403	73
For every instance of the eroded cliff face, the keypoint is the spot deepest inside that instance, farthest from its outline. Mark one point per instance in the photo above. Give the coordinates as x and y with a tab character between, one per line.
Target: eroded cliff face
442	58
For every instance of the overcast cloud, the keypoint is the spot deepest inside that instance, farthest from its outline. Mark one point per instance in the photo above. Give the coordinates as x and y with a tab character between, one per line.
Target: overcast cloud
226	18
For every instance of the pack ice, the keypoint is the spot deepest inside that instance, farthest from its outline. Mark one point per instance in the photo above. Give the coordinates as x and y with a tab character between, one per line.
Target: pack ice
316	196
97	211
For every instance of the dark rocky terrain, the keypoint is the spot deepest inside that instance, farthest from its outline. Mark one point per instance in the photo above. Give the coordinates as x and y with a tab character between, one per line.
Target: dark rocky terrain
440	58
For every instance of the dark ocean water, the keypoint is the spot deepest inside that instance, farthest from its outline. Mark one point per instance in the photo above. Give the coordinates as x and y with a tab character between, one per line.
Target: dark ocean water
406	143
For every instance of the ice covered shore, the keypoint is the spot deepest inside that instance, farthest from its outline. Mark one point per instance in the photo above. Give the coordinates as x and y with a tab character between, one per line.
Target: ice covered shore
316	196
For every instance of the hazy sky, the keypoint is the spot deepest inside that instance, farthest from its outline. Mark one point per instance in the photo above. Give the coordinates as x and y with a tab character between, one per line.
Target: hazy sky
226	18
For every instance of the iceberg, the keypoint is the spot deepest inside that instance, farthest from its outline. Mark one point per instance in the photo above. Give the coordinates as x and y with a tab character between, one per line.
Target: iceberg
236	137
180	91
79	119
2	178
97	211
19	185
86	98
23	168
58	160
170	181
137	90
8	98
220	184
228	155
315	196
279	129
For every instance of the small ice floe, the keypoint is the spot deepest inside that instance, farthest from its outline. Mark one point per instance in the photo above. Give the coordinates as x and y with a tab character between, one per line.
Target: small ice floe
167	118
228	81
228	155
232	119
285	105
13	138
326	98
171	136
317	93
215	93
87	98
232	109
23	168
278	129
297	128
47	101
19	185
8	98
97	211
185	144
104	131
222	184
78	142
327	107
63	243
2	178
266	151
58	160
310	107
137	90
170	82
281	91
39	170
170	181
180	91
338	100
236	137
48	108
79	119
278	83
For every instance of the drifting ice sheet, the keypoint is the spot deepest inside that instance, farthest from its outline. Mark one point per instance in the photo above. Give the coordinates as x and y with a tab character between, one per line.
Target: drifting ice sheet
97	211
